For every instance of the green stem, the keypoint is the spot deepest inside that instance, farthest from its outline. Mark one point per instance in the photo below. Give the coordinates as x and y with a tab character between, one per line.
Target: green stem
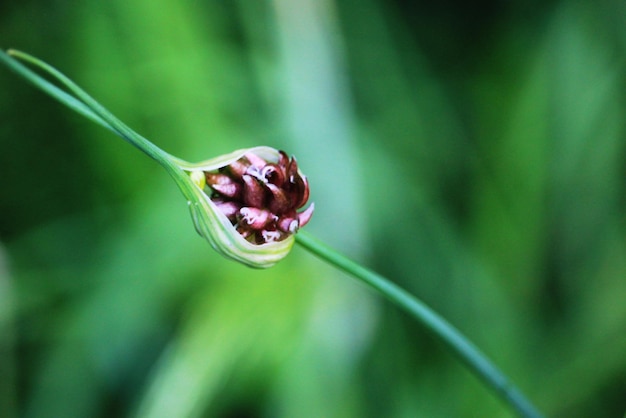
55	92
98	112
435	324
87	106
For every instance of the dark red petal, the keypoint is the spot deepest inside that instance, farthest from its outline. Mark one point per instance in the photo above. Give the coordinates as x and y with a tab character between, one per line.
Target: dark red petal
283	162
304	192
292	170
298	186
278	201
298	191
273	173
253	192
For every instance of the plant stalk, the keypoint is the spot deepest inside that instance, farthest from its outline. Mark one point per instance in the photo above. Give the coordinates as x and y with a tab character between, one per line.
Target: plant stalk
452	338
87	106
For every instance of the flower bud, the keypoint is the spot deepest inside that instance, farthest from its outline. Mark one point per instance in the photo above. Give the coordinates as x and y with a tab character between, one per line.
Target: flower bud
246	203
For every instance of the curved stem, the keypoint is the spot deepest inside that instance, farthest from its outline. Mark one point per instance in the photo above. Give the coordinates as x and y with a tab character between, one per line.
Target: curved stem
94	110
468	353
87	106
55	92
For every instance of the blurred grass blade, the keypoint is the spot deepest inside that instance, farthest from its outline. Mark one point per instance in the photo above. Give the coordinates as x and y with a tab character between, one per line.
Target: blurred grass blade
8	388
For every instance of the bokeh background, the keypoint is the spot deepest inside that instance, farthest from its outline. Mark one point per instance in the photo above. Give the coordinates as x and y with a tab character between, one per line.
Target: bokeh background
473	152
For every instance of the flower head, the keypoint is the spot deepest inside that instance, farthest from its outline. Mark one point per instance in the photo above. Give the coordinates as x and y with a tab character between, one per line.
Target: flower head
249	201
244	203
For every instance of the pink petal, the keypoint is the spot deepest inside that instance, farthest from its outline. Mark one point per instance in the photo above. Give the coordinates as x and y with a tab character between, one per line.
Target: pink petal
255	218
305	217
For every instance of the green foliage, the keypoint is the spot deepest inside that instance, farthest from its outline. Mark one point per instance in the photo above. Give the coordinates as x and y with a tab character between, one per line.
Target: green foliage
481	165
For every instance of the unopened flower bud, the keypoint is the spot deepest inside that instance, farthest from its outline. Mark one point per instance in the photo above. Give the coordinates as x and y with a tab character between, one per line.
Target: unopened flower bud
247	203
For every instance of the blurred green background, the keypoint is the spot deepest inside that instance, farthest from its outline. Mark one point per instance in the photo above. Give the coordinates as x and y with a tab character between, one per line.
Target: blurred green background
473	152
